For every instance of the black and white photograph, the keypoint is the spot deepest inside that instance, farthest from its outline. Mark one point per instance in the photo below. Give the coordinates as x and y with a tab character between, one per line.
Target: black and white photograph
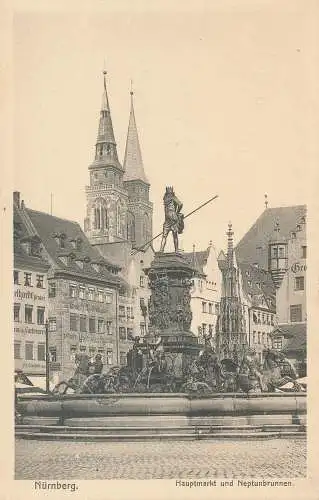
160	190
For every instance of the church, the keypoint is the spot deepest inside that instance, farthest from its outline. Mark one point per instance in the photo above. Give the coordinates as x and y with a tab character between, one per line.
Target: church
119	213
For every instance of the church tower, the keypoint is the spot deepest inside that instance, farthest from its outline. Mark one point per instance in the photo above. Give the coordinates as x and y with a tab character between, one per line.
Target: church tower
107	199
140	209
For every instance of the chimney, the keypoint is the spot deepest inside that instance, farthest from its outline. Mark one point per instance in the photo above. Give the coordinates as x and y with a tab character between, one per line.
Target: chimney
16	198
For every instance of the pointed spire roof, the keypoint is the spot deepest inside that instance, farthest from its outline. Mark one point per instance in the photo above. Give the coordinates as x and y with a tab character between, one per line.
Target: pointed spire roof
105	149
133	163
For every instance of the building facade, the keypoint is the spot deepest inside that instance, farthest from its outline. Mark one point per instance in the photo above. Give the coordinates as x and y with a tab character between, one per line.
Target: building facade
205	292
277	242
30	304
84	294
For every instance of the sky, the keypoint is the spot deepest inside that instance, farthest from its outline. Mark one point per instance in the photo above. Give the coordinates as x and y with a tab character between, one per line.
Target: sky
223	104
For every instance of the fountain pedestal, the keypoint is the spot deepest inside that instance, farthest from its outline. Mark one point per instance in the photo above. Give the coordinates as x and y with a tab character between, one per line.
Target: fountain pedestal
170	313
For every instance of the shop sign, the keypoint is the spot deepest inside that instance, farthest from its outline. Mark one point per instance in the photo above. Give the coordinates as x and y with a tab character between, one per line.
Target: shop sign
19	294
298	268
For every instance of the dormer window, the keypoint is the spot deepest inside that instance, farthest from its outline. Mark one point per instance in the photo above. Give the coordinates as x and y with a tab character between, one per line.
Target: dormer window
60	239
64	259
293	235
298	227
80	263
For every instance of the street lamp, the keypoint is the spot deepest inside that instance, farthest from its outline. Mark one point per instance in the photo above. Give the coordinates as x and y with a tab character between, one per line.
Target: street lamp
47	357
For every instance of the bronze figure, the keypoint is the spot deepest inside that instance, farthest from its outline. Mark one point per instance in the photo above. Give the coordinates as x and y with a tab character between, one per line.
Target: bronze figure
174	219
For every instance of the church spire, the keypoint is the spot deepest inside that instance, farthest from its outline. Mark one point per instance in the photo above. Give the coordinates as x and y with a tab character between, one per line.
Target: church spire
105	149
133	163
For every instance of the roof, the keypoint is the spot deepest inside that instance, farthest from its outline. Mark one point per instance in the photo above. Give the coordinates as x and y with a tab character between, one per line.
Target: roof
253	247
296	334
197	259
20	255
257	282
133	163
49	227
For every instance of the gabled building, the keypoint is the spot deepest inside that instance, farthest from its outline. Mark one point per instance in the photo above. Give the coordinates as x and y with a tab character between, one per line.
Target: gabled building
119	214
277	243
84	294
205	292
30	305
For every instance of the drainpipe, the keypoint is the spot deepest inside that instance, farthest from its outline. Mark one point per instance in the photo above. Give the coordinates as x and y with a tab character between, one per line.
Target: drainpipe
117	333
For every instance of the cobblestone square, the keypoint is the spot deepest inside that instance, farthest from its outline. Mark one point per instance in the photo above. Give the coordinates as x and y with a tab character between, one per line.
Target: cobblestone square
273	458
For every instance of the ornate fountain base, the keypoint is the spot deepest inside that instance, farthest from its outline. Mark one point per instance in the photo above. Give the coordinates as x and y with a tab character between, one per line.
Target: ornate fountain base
169	309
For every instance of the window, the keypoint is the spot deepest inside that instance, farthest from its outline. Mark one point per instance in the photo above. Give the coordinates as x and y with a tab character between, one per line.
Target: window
100	296
16	277
263	318
52	354
299	283
217	309
100	325
129	313
277	343
73	291
82	348
108	298
39	280
29	351
16	312
27	279
258	320
82	323
109	357
142	329
109	327
81	292
122	358
52	324
259	338
204	307
41	352
210	329
28	314
122	333
17	350
204	328
72	352
142	281
295	313
101	351
275	252
52	289
40	315
303	252
73	322
92	325
254	337
121	312
130	334
281	252
91	294
210	310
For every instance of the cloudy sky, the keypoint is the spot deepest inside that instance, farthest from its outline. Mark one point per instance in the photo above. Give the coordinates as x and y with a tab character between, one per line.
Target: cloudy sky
223	103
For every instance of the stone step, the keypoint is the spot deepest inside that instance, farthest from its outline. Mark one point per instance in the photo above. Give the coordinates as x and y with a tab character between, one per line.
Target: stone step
189	430
160	436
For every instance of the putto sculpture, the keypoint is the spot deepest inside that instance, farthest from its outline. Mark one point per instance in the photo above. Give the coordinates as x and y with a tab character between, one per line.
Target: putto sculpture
174	219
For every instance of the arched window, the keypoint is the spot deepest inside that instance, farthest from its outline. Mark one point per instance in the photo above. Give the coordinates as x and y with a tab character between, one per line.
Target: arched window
105	218
146	227
131	227
118	218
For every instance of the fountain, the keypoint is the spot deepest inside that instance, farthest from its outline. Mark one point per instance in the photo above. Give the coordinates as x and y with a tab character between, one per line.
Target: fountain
171	384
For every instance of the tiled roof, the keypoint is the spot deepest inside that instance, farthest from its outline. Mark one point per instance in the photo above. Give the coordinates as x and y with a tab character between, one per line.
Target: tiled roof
253	247
48	226
256	282
296	334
